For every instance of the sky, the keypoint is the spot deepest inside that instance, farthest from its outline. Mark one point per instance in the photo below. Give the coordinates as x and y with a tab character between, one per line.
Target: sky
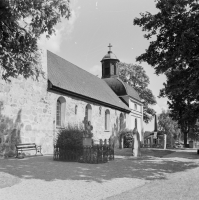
83	39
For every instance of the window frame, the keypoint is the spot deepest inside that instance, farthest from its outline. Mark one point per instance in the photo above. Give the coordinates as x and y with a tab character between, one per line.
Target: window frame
88	113
60	111
107	120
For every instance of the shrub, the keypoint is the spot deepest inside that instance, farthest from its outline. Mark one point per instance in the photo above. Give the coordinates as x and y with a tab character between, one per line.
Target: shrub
128	137
70	137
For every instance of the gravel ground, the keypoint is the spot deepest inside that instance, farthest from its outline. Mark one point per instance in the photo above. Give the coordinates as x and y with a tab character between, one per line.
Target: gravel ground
177	186
152	175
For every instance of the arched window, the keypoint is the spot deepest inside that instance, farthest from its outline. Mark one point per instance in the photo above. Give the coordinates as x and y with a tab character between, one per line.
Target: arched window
107	120
88	113
60	113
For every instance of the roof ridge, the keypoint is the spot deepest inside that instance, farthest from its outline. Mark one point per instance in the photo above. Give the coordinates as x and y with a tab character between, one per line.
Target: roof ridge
73	64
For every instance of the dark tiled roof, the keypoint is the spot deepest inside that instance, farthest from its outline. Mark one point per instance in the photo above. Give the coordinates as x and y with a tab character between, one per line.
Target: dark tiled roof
132	92
121	88
69	77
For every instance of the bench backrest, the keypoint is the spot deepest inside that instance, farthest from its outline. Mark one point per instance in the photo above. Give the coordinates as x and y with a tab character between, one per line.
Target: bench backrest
26	145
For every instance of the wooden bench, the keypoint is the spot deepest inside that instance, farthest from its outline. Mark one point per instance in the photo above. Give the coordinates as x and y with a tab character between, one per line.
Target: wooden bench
27	147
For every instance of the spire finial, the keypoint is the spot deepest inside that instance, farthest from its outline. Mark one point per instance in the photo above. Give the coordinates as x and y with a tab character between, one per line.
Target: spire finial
110	47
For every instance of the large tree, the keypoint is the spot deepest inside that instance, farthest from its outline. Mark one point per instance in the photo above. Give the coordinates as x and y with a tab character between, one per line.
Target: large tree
183	107
135	76
168	126
22	22
174	42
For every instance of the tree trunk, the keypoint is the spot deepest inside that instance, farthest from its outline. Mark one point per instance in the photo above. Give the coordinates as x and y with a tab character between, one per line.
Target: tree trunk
185	139
165	141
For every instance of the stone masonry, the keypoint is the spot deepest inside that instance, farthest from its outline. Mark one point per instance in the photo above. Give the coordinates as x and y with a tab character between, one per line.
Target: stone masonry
28	114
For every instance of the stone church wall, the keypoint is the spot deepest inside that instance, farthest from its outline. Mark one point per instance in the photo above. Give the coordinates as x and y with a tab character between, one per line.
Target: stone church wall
25	112
75	115
28	114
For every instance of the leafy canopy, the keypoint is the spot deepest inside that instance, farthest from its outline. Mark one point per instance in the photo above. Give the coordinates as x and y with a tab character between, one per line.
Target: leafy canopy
173	50
135	76
167	125
175	29
21	24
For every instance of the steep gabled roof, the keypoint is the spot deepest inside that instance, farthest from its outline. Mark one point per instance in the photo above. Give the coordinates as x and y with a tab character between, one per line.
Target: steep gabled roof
73	80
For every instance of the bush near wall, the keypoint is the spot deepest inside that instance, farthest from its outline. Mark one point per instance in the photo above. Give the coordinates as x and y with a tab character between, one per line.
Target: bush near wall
127	135
69	147
71	137
69	143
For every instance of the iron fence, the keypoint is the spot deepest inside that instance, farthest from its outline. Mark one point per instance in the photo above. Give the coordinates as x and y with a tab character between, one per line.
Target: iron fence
96	153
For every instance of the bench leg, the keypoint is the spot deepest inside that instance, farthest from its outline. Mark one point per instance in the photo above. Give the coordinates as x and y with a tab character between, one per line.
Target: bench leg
38	150
17	154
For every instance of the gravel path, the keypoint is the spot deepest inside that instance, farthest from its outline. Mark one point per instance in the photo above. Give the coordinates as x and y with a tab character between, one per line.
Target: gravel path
179	186
153	175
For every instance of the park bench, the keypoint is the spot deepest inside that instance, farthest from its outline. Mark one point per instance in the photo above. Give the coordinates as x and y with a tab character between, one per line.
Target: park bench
27	147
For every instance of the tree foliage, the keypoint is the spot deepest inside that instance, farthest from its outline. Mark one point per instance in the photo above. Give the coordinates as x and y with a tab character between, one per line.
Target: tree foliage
173	50
135	76
176	29
22	22
183	106
167	125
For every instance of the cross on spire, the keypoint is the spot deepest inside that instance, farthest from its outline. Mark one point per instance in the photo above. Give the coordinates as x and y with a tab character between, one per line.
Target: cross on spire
109	46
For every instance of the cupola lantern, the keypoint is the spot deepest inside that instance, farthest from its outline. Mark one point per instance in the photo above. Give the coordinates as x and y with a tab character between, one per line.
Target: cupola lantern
109	65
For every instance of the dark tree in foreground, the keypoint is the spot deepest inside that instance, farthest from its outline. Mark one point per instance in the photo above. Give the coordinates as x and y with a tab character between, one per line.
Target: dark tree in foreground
174	48
135	76
21	24
183	107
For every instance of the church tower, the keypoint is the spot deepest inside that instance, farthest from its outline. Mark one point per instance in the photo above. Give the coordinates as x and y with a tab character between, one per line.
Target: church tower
109	65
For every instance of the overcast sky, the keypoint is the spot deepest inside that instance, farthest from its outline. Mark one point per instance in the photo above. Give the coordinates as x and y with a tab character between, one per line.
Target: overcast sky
83	40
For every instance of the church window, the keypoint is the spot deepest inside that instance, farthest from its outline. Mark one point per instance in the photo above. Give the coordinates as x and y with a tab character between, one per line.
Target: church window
115	70
76	109
107	120
60	112
88	113
107	71
135	122
135	106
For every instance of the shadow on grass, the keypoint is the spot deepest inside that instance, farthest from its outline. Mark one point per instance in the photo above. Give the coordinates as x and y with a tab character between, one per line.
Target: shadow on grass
149	167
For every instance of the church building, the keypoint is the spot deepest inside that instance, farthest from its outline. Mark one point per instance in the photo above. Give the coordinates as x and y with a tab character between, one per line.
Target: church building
33	111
